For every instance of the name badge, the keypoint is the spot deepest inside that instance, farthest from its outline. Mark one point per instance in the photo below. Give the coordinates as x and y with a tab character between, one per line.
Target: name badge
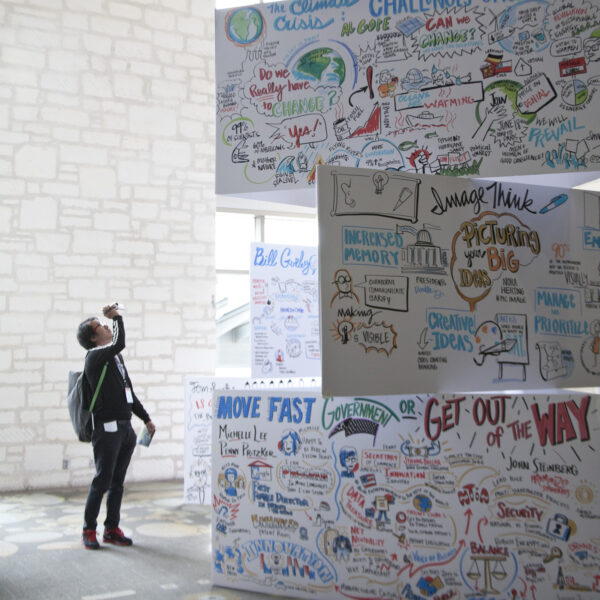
129	395
111	426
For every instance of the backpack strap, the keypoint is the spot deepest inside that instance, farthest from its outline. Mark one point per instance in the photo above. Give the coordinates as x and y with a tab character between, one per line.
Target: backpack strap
93	402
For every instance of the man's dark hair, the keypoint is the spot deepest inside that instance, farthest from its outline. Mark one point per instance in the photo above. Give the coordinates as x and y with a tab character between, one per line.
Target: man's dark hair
85	333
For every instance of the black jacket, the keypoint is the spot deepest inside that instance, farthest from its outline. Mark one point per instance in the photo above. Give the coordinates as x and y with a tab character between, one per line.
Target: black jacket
111	404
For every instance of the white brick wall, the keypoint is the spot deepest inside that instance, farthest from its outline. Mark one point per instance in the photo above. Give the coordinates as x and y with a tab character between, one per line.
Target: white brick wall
103	128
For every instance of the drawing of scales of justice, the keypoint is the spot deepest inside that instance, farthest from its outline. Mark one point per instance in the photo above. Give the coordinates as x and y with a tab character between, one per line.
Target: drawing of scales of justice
384	193
491	564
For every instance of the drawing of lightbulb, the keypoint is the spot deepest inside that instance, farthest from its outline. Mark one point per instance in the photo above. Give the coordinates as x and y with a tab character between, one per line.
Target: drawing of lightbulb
380	180
344	330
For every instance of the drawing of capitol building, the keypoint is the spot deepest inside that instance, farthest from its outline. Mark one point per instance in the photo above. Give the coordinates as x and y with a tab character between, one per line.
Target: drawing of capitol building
423	256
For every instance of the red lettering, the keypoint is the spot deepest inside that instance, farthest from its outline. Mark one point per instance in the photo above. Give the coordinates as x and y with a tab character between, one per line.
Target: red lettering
438	23
544	424
450	416
428	420
580	413
556	425
264	74
298	133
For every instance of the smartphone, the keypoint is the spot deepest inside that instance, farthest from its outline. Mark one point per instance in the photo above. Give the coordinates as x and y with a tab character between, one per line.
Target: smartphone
115	305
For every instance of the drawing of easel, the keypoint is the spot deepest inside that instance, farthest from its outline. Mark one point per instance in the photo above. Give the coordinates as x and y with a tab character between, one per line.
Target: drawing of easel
489	574
516	352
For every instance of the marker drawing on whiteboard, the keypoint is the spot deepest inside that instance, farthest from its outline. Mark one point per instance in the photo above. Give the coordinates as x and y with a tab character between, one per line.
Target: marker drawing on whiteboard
405	194
503	346
348	199
554	203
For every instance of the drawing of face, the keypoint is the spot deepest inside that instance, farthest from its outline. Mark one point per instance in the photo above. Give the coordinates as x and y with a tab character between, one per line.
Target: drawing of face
438	79
591	49
290	442
595	327
230	475
199	475
288	445
349	459
351	462
343	281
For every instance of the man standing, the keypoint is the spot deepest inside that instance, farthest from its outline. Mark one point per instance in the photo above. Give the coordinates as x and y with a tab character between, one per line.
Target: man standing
113	438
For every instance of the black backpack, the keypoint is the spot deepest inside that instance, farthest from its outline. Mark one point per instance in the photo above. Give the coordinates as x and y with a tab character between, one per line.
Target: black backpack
79	396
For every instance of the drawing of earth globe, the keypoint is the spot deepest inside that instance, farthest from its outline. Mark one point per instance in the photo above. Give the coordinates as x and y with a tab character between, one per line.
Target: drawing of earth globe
511	19
244	26
575	92
321	65
422	503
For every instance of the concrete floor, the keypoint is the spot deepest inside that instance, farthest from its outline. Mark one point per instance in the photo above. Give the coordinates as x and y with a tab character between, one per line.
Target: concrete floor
41	554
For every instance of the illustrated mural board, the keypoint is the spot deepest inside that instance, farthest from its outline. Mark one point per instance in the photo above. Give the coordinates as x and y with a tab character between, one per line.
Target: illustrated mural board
433	283
284	311
449	88
198	398
381	498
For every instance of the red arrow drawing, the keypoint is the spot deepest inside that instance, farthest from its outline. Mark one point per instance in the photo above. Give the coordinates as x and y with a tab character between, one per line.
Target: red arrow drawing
485	522
469	514
533	590
524	592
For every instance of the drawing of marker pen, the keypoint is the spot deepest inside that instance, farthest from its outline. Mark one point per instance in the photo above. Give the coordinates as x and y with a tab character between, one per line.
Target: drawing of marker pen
554	203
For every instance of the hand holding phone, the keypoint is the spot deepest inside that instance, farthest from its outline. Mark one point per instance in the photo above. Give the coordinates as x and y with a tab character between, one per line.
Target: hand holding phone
112	310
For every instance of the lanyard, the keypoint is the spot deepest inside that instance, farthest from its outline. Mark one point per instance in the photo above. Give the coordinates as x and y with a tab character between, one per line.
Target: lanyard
128	392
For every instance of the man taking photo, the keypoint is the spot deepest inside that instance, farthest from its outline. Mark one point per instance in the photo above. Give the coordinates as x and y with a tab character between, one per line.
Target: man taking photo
113	438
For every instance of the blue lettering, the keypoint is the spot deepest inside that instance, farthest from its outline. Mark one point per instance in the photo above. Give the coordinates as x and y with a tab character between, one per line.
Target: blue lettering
451	322
255	414
306	265
374	12
541	136
258	257
233	408
591	239
556	299
309	402
273	402
286	411
291	410
285	261
300	7
300	23
274	7
462	343
398	7
261	260
224	411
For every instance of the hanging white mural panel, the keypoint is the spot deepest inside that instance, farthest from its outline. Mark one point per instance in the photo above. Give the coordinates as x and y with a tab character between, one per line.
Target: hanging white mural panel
436	283
449	88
